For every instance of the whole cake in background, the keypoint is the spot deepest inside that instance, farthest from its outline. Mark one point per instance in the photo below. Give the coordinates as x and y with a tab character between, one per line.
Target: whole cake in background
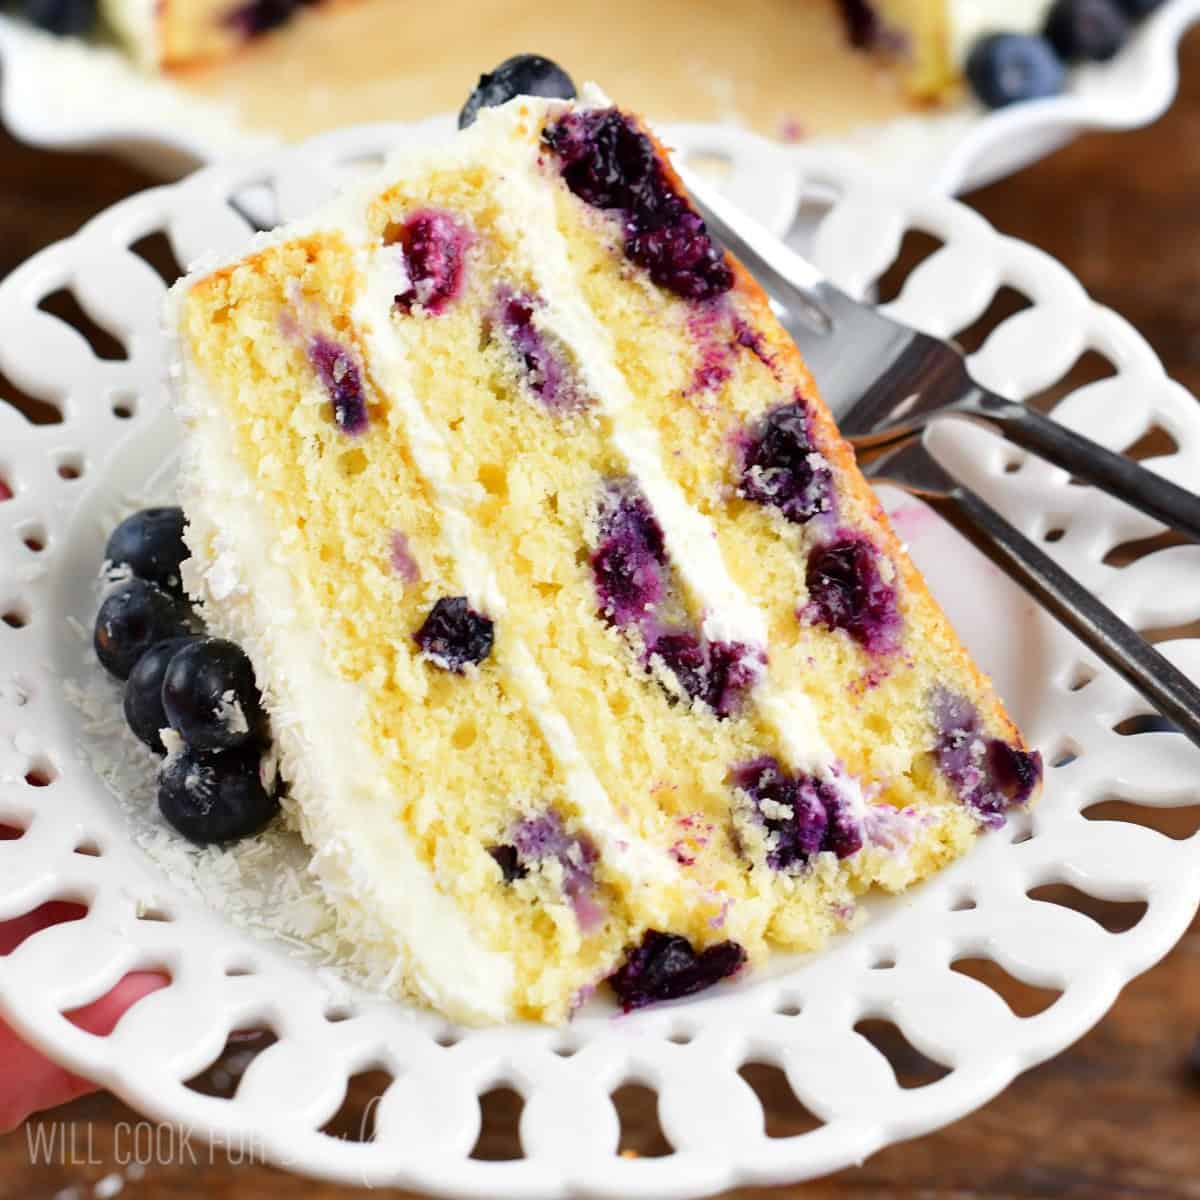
587	651
1006	50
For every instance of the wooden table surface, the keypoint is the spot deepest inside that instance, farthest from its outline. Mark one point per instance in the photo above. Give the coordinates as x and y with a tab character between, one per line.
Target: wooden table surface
1118	1114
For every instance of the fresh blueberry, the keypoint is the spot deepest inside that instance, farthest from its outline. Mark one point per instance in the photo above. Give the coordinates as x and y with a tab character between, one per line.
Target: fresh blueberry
215	797
665	966
454	634
1139	8
211	698
150	543
144	711
1086	29
781	466
1005	68
135	616
64	17
521	75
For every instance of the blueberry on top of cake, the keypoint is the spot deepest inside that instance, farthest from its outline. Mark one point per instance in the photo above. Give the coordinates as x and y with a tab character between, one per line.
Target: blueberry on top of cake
588	651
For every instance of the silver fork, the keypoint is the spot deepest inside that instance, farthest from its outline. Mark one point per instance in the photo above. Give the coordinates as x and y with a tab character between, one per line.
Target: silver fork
885	382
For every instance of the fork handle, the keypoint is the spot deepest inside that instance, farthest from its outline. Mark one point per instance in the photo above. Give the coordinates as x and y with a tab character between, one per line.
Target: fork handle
1091	621
1122	477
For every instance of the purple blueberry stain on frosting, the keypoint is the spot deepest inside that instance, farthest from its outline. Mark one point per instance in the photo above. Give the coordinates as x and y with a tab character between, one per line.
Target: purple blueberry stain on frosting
612	165
718	673
801	814
402	560
548	373
989	774
847	590
434	247
781	467
666	966
632	580
535	840
342	380
629	563
454	636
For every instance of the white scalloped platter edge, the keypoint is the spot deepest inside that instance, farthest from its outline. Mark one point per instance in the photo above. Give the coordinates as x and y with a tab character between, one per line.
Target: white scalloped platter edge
79	843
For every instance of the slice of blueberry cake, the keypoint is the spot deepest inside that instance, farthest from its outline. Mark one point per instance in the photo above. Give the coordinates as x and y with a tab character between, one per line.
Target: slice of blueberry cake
178	33
589	653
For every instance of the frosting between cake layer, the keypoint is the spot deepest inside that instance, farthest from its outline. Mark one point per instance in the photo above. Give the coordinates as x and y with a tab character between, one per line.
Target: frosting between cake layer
728	614
315	721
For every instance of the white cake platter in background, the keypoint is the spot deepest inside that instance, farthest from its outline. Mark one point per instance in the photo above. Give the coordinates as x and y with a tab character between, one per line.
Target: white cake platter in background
247	944
59	93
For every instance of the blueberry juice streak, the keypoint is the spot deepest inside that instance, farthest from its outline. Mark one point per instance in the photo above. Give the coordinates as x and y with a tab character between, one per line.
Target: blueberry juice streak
548	373
434	245
534	840
632	580
613	166
342	380
989	774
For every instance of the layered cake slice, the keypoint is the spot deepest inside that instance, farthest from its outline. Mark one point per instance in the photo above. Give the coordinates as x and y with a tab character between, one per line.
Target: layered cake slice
589	653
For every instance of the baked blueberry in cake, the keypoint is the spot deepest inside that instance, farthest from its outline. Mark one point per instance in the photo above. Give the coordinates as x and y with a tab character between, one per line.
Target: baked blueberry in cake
588	653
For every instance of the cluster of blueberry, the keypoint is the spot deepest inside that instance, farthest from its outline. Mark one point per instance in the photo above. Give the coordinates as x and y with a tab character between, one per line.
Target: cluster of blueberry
1004	68
203	688
782	469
